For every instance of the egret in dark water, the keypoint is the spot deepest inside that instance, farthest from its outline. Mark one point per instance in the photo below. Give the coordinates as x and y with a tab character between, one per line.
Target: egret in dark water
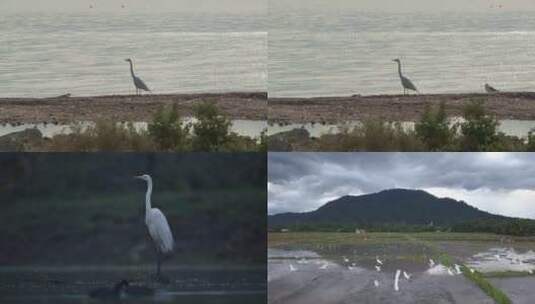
138	83
405	82
490	89
158	228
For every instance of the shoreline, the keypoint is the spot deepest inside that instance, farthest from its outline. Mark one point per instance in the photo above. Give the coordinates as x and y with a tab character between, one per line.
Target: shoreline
341	109
120	108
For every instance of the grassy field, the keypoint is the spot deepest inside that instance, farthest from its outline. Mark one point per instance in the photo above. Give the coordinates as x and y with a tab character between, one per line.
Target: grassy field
108	228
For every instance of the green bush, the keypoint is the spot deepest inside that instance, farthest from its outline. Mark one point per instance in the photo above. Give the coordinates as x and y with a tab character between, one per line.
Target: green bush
434	128
211	130
168	131
479	130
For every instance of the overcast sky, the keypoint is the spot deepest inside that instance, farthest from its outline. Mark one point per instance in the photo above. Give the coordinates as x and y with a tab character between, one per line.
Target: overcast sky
500	183
80	6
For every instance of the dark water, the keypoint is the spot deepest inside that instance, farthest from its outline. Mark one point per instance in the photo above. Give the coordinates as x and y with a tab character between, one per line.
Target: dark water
72	285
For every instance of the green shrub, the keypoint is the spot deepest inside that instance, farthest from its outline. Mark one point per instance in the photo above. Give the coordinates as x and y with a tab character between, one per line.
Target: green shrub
434	128
211	129
168	131
479	130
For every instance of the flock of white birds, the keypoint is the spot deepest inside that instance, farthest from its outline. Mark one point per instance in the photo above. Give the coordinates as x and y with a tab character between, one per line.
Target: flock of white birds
434	268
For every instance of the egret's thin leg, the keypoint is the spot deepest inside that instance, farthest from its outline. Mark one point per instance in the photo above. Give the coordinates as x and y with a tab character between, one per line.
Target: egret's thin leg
159	263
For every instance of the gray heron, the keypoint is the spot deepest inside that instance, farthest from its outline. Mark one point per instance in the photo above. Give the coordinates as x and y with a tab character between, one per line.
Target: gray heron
405	82
490	89
138	83
157	226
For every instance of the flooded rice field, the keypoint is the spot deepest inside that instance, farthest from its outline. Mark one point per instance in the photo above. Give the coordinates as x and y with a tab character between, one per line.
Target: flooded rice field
402	270
73	285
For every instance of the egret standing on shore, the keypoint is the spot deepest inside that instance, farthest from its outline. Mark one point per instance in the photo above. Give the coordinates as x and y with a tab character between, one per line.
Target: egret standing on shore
158	228
405	82
138	83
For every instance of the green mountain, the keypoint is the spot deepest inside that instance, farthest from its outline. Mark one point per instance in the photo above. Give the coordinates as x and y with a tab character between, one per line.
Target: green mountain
393	207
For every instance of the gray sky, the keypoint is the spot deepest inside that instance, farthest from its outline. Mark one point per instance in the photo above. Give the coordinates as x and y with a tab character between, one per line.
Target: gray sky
500	183
138	6
406	5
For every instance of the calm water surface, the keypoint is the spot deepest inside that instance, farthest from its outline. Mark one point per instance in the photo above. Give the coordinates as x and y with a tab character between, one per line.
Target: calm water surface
83	54
343	51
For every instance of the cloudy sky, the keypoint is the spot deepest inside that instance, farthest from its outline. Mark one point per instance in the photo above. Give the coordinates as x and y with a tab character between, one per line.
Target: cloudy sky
80	6
500	183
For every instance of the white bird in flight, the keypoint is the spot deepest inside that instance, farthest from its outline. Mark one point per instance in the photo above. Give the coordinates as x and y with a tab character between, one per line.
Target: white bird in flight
158	228
396	280
406	275
292	268
378	261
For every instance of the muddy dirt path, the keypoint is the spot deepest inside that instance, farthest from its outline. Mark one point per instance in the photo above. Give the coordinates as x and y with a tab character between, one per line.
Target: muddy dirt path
64	110
333	110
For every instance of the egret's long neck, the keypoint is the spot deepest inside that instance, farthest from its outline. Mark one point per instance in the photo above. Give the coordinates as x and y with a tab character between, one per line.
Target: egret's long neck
399	68
131	68
147	196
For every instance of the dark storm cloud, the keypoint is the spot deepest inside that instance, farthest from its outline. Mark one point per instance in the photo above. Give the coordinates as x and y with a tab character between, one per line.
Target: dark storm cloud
304	181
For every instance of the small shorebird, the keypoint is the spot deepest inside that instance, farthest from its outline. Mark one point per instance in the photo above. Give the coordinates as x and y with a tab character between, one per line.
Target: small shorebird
490	89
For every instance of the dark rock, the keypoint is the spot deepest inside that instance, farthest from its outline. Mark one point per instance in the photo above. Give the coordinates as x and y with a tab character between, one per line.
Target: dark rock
21	141
286	141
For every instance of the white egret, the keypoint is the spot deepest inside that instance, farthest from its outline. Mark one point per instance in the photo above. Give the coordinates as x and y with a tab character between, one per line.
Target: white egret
158	228
450	272
324	266
405	82
431	263
292	268
346	260
376	283
378	261
396	280
472	270
406	275
138	83
458	269
378	268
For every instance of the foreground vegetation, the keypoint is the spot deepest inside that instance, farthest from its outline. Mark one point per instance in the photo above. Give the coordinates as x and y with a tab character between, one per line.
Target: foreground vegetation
209	131
434	131
517	227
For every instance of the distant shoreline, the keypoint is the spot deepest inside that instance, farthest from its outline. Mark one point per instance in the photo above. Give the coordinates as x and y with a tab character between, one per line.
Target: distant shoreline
336	110
66	110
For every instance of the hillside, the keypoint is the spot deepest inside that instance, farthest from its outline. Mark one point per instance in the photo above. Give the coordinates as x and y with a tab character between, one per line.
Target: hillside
395	206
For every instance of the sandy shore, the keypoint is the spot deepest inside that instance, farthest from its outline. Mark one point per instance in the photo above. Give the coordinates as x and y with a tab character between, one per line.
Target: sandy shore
63	110
334	110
